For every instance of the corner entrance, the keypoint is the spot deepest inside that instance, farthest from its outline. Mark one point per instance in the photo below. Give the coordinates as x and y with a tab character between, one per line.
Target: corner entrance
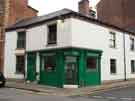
71	71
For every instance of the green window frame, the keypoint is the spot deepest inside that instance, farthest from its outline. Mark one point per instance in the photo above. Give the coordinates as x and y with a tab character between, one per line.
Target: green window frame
49	63
132	66
91	63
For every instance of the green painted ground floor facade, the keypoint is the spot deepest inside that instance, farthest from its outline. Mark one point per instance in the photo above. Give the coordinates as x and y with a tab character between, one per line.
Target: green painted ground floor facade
65	66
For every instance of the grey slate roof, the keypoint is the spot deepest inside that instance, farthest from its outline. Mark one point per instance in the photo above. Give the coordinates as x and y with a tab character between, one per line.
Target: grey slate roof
131	28
37	19
64	12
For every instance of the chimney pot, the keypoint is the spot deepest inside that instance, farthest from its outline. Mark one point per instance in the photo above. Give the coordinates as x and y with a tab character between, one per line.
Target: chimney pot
84	7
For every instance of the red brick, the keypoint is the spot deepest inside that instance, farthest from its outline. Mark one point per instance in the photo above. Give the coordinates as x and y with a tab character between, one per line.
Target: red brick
84	7
19	9
13	10
117	12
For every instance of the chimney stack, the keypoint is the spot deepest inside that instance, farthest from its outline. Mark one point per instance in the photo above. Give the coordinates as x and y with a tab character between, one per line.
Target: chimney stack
84	7
25	2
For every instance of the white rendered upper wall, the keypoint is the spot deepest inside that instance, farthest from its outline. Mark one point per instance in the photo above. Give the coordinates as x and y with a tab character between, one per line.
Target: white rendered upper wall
37	36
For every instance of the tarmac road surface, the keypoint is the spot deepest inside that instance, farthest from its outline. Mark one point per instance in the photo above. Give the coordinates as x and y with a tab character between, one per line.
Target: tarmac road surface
122	94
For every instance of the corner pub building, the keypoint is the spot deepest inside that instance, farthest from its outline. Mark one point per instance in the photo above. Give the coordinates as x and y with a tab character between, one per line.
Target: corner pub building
67	48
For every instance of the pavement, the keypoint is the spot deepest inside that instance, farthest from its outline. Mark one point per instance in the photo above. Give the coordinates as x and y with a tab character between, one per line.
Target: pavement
11	94
119	94
47	90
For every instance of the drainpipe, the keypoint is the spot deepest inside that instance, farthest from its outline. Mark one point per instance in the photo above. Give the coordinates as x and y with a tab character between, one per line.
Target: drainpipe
124	48
124	45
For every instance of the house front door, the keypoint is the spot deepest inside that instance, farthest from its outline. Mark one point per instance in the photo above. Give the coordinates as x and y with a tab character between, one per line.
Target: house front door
31	67
92	74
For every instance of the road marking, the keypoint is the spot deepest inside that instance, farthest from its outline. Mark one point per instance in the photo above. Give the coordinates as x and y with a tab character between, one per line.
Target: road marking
129	99
111	98
99	97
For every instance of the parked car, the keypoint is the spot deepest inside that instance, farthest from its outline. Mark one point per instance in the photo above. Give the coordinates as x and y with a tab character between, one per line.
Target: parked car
2	80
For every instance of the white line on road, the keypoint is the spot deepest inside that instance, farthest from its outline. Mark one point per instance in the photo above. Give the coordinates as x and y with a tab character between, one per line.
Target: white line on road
129	99
99	97
111	98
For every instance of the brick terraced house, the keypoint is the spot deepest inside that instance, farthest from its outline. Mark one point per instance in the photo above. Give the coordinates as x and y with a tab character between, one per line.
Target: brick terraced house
12	11
67	48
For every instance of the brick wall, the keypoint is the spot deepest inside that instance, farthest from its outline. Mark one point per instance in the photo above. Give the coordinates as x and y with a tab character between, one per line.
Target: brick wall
10	12
1	12
30	12
117	12
2	41
19	9
2	18
84	7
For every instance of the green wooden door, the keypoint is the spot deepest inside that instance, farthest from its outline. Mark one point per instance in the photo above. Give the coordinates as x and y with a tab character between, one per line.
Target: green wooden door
92	73
48	69
31	67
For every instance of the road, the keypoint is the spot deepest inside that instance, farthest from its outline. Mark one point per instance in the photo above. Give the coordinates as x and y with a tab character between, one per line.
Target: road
123	94
10	94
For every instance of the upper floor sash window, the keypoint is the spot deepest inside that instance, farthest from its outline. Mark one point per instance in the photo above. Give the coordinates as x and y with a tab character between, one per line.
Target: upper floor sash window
52	34
21	39
112	39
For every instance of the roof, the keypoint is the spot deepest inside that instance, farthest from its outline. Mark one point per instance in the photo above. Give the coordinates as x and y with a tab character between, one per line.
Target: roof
38	19
29	22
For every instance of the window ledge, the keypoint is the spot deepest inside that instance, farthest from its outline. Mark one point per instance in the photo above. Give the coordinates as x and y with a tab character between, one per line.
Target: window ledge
114	74
132	50
19	73
20	51
113	47
48	45
20	48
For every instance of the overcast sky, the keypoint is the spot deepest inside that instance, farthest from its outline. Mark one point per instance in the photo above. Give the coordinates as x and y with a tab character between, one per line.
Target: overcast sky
47	6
